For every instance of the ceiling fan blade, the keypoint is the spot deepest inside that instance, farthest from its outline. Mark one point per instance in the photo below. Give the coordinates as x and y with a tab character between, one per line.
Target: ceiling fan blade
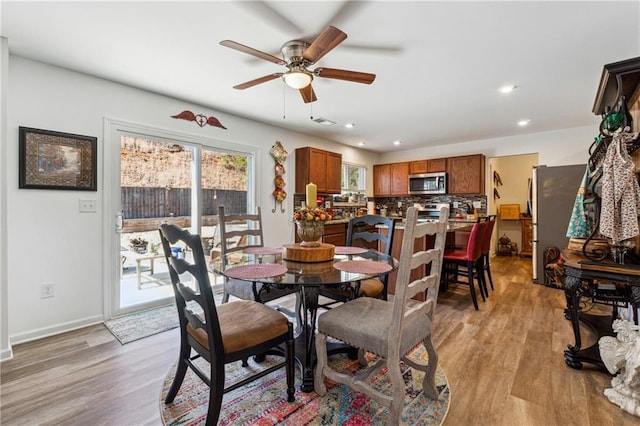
356	77
251	51
308	95
323	44
257	81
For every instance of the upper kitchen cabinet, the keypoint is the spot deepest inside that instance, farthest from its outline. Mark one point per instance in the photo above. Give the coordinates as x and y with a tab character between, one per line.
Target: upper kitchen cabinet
320	167
428	166
466	174
391	179
437	165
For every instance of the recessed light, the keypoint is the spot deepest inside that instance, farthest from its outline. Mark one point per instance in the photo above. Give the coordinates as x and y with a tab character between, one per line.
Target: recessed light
507	88
350	125
360	143
523	123
397	142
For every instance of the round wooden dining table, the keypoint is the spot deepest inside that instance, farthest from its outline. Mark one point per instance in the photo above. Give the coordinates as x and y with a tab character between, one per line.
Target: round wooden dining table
268	267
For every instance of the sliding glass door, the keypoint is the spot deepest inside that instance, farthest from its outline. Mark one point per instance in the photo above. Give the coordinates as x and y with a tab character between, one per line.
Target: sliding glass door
164	179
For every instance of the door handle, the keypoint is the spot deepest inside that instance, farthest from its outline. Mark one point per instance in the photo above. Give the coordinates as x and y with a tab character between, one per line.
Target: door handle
119	222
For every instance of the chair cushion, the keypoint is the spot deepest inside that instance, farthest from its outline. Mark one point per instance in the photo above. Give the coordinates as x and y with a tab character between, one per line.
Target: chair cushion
244	323
370	288
364	323
455	255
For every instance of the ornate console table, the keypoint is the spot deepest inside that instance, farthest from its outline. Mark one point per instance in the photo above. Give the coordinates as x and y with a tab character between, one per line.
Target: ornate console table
604	282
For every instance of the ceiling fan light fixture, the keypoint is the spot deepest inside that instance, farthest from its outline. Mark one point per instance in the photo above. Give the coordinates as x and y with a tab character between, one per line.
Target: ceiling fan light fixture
297	79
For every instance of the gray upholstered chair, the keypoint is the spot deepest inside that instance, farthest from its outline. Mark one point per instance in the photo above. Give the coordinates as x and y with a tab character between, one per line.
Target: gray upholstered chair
390	329
239	232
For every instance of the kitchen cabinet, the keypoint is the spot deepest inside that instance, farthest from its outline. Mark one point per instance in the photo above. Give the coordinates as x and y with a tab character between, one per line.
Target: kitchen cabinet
466	174
334	233
321	167
381	179
437	165
428	166
418	167
527	237
391	179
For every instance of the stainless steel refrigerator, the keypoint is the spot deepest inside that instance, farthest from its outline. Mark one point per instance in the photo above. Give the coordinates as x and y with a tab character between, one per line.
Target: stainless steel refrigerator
552	196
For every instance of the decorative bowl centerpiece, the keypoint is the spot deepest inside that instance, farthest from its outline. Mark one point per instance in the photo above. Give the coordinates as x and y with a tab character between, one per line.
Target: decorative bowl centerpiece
310	225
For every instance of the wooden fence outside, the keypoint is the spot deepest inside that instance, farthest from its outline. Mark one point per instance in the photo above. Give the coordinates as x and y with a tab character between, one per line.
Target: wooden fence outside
143	209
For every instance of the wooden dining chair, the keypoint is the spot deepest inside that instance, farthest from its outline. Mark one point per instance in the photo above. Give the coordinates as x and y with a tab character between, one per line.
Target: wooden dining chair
239	232
364	232
222	334
390	329
469	259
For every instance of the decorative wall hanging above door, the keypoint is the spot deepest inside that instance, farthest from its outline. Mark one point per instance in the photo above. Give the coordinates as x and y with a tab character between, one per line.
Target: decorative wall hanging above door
200	119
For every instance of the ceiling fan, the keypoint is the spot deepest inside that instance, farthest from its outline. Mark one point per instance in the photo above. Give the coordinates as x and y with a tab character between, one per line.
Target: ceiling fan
297	56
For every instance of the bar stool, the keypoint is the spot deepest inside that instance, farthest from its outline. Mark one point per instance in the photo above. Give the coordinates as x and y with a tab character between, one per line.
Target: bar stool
486	248
470	258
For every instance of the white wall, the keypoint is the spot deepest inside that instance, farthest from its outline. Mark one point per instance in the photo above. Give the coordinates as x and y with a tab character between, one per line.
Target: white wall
5	349
50	241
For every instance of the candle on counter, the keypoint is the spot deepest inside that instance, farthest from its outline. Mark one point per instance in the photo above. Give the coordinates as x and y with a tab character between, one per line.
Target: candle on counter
312	192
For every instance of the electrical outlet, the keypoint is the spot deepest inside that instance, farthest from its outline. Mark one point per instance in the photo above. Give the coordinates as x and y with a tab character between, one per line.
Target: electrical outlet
87	206
455	204
47	290
399	204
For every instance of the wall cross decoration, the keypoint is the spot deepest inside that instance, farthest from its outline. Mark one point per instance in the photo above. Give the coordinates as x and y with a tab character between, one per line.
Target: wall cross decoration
200	119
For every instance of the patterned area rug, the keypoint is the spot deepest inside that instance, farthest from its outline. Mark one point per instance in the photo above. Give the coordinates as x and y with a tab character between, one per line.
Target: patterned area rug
131	327
263	402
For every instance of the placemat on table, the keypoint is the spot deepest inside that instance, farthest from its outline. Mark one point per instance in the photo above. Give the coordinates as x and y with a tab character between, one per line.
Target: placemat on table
262	270
363	266
349	250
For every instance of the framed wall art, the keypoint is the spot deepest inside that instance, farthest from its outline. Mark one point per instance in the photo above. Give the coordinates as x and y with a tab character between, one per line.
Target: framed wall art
54	160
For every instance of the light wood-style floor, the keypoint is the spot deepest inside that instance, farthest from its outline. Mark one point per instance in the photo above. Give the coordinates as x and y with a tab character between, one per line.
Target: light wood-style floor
504	364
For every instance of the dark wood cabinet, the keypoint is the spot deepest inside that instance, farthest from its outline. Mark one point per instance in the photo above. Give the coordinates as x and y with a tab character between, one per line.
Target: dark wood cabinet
437	165
400	179
334	173
391	179
334	233
382	180
321	167
418	167
466	175
428	166
527	237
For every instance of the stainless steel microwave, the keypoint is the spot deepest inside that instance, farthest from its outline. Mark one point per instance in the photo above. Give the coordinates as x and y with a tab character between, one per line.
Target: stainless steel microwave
428	183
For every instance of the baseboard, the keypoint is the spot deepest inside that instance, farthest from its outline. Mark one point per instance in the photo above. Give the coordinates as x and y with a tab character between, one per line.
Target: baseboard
6	354
54	329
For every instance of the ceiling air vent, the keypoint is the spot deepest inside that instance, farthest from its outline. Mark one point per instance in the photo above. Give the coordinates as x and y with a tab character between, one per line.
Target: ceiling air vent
324	121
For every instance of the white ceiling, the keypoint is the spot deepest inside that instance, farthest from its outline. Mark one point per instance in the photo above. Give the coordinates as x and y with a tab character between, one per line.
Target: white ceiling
438	64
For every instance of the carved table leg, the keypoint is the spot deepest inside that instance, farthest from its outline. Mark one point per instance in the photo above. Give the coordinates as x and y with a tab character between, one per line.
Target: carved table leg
571	291
309	296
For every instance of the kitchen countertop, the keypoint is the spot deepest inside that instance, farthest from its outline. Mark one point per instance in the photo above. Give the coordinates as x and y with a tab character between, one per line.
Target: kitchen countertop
453	223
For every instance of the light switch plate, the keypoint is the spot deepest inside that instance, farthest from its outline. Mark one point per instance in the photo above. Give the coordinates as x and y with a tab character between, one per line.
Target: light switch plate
477	204
88	206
